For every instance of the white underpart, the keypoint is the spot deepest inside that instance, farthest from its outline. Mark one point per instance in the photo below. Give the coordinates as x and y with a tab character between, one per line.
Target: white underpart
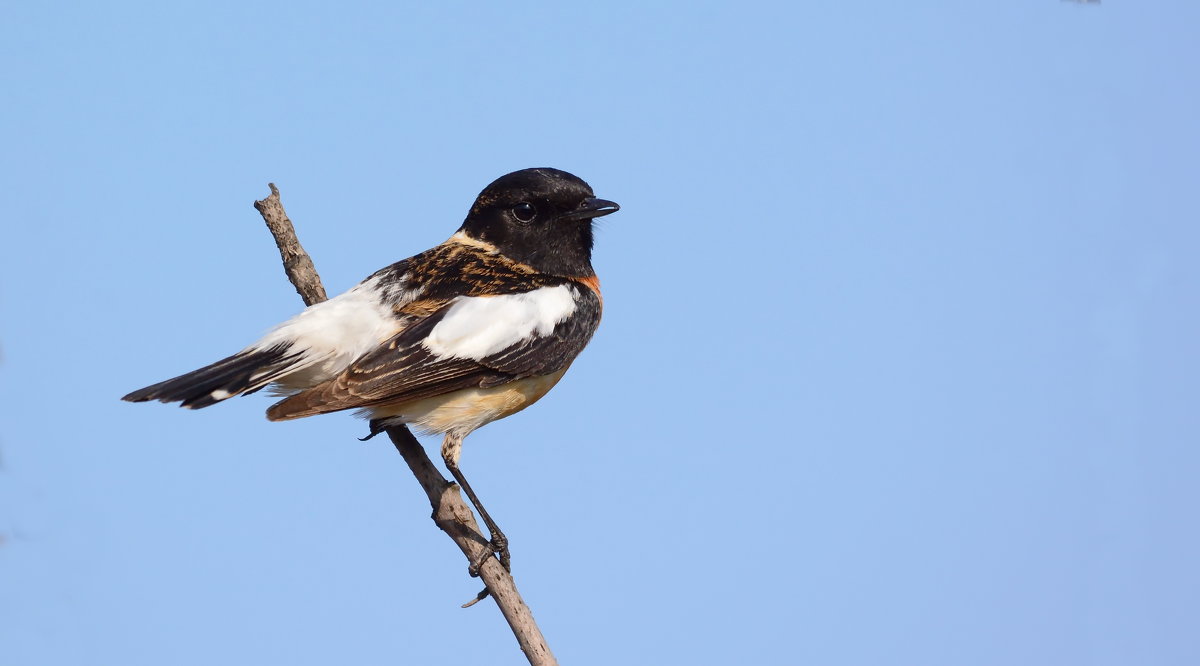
329	336
479	326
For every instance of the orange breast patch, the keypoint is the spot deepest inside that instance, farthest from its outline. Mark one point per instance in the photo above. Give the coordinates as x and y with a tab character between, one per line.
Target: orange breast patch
592	282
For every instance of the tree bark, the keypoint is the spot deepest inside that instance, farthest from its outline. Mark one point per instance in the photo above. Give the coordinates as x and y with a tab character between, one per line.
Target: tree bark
450	512
296	262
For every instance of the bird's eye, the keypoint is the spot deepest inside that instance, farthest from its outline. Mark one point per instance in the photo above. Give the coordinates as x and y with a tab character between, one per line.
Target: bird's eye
524	211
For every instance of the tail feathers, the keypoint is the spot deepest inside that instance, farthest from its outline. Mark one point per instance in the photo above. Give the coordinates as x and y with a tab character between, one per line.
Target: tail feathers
241	373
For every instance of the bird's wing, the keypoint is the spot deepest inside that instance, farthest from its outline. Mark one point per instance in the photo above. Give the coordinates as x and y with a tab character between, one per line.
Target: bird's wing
469	341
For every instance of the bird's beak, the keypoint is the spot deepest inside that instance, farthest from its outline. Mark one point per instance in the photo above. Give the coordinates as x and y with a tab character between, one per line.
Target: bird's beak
591	208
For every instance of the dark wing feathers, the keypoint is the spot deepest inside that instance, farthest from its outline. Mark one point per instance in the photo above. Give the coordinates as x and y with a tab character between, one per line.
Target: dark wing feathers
403	369
245	372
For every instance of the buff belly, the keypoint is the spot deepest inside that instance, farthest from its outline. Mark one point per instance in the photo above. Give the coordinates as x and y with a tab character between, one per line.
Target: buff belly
465	410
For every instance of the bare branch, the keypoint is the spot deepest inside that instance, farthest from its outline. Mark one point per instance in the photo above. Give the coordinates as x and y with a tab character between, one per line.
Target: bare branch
450	512
296	262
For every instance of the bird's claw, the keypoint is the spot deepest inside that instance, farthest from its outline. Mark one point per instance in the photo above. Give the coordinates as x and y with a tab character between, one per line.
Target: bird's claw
498	546
376	428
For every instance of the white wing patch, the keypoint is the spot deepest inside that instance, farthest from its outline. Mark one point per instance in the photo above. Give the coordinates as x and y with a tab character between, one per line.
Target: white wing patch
477	327
333	334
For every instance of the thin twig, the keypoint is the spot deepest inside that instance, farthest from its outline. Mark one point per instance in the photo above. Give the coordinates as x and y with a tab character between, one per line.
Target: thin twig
450	512
296	262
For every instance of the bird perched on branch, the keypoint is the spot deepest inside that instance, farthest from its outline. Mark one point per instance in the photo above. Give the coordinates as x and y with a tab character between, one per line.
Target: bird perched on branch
468	332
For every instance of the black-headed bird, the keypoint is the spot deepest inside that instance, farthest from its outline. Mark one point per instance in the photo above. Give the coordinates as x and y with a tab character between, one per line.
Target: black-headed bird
468	332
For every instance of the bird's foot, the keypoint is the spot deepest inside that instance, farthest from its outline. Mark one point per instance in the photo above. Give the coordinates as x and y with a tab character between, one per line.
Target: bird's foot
376	427
498	546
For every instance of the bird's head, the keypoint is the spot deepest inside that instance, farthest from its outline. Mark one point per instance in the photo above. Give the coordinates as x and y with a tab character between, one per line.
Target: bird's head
541	217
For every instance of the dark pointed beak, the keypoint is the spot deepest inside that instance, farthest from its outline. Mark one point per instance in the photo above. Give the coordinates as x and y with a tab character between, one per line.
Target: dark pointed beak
591	208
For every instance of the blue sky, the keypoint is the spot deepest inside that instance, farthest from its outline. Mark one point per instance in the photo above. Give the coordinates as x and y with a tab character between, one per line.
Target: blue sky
898	364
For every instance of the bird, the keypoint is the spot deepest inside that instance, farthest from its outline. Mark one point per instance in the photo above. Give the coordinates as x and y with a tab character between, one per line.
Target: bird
468	332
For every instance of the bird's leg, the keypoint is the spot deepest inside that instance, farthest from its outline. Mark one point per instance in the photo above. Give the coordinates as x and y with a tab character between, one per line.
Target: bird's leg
451	448
498	542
